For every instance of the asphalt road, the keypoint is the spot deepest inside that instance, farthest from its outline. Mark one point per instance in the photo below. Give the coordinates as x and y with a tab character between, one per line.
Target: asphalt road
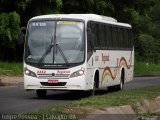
14	99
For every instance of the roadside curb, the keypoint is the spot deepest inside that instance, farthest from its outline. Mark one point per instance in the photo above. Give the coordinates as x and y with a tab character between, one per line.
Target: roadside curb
113	113
149	105
10	80
126	112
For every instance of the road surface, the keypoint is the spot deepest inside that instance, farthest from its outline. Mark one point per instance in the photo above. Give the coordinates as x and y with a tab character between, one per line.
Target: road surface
14	99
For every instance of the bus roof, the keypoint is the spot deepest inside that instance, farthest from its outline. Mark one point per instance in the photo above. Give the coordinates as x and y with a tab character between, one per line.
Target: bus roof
87	17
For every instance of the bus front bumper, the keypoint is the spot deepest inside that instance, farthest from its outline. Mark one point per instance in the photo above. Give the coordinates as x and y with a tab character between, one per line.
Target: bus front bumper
33	83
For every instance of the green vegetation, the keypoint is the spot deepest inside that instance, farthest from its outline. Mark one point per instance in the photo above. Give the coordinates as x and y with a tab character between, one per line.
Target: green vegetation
125	97
146	69
87	105
8	68
142	15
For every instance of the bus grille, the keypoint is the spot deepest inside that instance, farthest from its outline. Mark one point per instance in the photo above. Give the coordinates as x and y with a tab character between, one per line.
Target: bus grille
55	76
53	84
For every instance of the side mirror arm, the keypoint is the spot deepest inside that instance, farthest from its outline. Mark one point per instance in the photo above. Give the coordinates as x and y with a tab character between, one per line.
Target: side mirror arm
21	35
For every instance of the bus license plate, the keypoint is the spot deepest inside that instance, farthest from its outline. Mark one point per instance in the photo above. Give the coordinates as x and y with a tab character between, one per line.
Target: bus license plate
52	81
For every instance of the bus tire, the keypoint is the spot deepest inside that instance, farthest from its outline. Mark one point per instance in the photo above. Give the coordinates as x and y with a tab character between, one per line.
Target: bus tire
95	84
41	93
120	86
93	91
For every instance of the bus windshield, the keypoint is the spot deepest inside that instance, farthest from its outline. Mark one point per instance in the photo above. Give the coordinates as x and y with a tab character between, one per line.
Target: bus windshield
55	42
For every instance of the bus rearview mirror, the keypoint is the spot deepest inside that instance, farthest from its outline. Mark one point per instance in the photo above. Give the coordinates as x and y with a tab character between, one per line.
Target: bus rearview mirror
21	35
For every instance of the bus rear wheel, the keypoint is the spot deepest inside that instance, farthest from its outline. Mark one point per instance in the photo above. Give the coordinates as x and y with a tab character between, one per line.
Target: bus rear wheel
41	93
120	86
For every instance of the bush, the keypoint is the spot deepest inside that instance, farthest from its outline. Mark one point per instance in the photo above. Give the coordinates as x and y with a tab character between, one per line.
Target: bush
146	49
9	28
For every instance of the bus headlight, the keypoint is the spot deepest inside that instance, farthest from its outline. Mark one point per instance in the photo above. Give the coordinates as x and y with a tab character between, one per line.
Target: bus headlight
29	72
78	73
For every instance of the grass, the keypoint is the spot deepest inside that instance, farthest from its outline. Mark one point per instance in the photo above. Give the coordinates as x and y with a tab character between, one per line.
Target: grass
88	105
11	68
126	97
146	69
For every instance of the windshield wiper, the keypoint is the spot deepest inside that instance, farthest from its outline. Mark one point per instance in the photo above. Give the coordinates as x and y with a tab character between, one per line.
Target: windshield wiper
53	43
46	52
49	49
64	57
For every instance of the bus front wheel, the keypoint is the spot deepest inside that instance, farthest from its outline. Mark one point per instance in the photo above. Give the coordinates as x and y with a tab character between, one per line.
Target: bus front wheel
95	84
41	93
93	91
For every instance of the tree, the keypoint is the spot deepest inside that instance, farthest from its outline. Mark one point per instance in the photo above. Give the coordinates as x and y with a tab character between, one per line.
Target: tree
40	7
9	28
143	15
102	7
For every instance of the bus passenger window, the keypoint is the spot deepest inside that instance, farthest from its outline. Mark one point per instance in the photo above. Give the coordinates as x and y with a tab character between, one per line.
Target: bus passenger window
101	36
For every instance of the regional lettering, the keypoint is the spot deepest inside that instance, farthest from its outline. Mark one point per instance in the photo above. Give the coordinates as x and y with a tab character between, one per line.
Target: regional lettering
105	58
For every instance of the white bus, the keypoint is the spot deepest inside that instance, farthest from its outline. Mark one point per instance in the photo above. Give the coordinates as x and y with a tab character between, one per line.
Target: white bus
83	52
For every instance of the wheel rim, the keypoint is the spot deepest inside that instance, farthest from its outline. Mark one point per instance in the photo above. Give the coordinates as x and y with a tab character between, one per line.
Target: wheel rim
121	85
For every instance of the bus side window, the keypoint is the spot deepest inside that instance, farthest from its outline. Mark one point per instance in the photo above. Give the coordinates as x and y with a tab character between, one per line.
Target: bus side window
97	41
126	38
130	38
89	47
120	38
92	37
118	34
110	37
101	36
114	37
107	35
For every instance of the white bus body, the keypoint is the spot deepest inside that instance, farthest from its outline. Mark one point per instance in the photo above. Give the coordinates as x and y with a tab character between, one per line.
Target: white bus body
100	67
